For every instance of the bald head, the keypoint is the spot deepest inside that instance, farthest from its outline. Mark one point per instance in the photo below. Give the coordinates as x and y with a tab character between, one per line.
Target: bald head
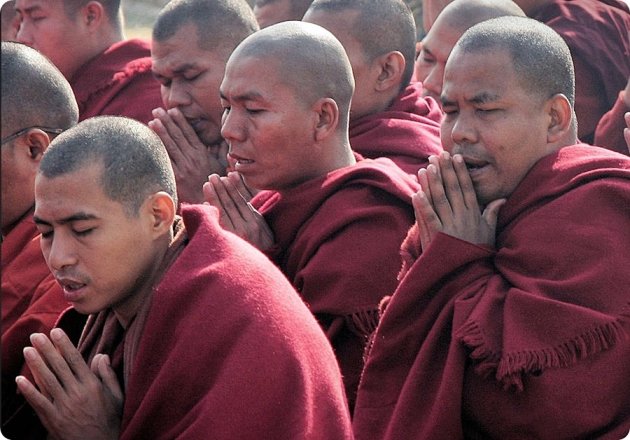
219	23
309	58
380	27
34	91
525	39
134	159
451	23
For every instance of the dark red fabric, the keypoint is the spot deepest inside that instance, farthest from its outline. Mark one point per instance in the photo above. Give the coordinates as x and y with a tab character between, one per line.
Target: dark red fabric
229	351
31	302
526	341
609	133
408	132
337	241
118	82
596	32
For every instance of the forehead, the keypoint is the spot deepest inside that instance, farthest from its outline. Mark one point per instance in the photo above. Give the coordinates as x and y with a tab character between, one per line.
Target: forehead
488	72
441	39
182	49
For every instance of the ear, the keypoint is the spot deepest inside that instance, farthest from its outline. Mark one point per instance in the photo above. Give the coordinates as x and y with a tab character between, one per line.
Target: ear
92	14
160	208
391	70
327	117
560	117
35	144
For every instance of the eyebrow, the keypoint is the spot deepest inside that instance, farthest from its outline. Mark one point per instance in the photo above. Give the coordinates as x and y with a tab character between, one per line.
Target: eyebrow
73	218
251	96
181	69
481	98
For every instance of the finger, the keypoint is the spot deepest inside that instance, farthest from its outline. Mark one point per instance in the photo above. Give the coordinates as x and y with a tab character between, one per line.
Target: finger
54	357
439	200
465	183
237	180
101	366
450	181
220	199
428	221
170	133
44	378
491	213
178	119
243	209
70	354
174	153
38	401
423	179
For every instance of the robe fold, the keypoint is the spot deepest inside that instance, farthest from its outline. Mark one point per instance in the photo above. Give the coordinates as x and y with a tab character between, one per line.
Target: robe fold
226	349
118	82
527	340
609	133
408	132
337	240
596	32
31	303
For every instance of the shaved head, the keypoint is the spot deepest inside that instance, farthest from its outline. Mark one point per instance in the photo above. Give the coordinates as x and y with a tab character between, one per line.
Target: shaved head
309	58
463	14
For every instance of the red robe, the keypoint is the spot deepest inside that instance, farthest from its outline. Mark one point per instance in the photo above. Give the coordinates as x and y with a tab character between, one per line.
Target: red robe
609	133
408	132
31	302
225	349
337	240
118	82
596	32
526	341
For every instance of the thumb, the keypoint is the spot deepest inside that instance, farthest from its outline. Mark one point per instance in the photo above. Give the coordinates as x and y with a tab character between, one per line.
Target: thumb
101	366
491	213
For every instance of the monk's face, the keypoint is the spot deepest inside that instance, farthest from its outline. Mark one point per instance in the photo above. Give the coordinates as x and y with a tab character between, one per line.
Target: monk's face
46	27
190	78
98	253
492	121
268	127
435	49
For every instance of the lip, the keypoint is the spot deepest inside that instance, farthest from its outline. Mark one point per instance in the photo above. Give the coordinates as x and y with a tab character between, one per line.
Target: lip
240	162
73	290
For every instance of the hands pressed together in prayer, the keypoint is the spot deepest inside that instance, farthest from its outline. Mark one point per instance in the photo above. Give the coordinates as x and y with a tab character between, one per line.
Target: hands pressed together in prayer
72	400
231	196
447	203
192	160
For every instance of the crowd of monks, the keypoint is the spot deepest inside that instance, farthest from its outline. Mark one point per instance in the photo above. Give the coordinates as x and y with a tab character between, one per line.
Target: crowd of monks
297	220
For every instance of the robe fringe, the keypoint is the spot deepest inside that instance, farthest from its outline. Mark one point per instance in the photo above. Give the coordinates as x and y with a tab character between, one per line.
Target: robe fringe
509	368
363	323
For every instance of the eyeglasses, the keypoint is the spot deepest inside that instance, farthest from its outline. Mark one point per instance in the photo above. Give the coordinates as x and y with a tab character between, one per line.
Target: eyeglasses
17	134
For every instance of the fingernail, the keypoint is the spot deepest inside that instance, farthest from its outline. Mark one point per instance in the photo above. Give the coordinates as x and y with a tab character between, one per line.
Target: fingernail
432	168
56	334
445	155
458	158
37	338
29	353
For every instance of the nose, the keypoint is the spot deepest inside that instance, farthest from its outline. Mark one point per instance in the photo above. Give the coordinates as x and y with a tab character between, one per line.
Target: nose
60	253
175	95
231	129
462	129
24	34
434	80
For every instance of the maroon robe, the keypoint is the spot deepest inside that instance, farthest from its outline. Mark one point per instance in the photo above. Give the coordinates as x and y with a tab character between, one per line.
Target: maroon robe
337	240
31	302
596	32
609	133
529	340
223	349
408	132
119	82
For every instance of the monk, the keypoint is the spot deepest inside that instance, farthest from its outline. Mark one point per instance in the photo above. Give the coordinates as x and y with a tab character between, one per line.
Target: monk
610	129
191	332
270	12
597	34
109	74
389	117
9	20
454	19
192	41
511	319
331	223
37	104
